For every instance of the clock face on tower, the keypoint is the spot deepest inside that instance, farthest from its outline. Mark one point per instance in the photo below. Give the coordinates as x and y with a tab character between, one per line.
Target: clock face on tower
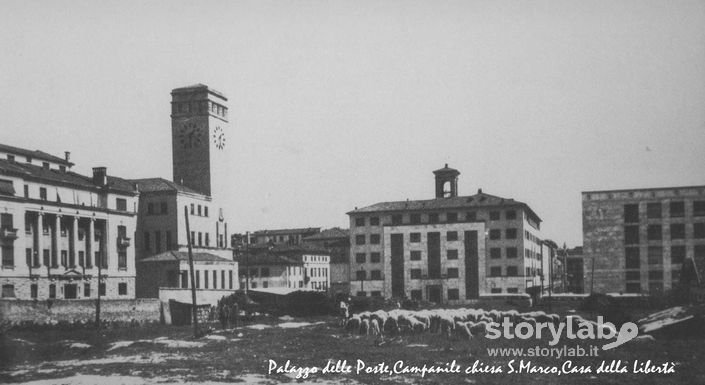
219	138
190	135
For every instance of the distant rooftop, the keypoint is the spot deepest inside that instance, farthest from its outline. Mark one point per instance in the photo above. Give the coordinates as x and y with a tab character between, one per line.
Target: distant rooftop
479	200
160	185
34	154
68	178
287	231
333	233
183	256
644	189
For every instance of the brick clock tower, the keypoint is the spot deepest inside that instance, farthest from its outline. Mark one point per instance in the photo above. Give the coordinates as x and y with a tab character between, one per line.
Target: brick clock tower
199	128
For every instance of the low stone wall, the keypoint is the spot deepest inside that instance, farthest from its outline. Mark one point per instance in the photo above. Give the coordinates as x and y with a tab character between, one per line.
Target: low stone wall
48	312
203	296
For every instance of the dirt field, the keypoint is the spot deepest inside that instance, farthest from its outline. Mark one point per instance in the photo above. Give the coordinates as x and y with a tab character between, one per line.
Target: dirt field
163	354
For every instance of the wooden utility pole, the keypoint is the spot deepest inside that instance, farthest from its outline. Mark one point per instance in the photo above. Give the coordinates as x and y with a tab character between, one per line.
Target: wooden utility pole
194	310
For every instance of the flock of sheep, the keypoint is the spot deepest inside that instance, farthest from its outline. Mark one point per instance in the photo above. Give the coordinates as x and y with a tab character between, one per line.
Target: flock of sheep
462	322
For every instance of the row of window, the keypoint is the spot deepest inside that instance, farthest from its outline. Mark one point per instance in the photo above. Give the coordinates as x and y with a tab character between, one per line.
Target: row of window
120	203
655	232
654	210
199	107
510	252
654	275
513	271
510	233
531	237
210	279
374	293
451	272
375	275
434	218
416	295
201	211
63	259
69	290
361	239
655	286
655	255
498	290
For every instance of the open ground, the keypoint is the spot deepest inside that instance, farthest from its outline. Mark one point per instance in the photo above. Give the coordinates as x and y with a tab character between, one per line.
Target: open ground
169	354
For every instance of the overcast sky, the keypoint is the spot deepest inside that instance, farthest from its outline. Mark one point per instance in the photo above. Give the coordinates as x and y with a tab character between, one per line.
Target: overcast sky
337	104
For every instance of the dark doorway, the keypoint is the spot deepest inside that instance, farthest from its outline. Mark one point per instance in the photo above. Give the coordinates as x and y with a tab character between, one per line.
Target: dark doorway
397	260
434	293
70	291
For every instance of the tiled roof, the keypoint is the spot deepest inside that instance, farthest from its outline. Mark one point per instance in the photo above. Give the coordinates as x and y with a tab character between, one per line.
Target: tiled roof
26	170
287	231
333	233
161	184
34	154
183	256
479	200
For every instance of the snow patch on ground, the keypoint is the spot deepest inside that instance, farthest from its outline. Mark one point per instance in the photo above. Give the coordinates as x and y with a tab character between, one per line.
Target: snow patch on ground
290	325
216	338
417	346
79	345
286	318
258	327
180	343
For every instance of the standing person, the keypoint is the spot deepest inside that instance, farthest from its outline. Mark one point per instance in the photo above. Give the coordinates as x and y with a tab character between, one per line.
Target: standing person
344	309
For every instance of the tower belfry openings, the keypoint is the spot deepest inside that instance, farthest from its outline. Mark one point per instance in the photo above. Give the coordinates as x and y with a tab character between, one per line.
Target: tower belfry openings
446	182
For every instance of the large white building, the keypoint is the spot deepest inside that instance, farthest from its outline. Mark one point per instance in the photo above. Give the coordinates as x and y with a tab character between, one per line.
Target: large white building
64	235
449	249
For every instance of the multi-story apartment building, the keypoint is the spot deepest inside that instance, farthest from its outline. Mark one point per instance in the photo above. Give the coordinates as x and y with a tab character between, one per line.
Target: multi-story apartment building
64	235
447	249
285	267
637	240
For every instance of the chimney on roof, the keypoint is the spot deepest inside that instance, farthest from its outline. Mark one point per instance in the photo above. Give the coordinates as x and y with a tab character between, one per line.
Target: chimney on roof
479	191
100	176
67	155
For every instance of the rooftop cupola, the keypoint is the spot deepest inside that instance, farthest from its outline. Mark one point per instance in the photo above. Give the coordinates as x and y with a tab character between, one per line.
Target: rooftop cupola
446	182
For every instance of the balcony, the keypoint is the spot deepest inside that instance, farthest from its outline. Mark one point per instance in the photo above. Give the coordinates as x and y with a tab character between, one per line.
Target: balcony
7	233
123	242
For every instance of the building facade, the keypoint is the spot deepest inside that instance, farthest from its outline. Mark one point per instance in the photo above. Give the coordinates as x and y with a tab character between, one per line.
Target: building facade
170	269
448	249
637	240
335	241
286	267
283	236
64	235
